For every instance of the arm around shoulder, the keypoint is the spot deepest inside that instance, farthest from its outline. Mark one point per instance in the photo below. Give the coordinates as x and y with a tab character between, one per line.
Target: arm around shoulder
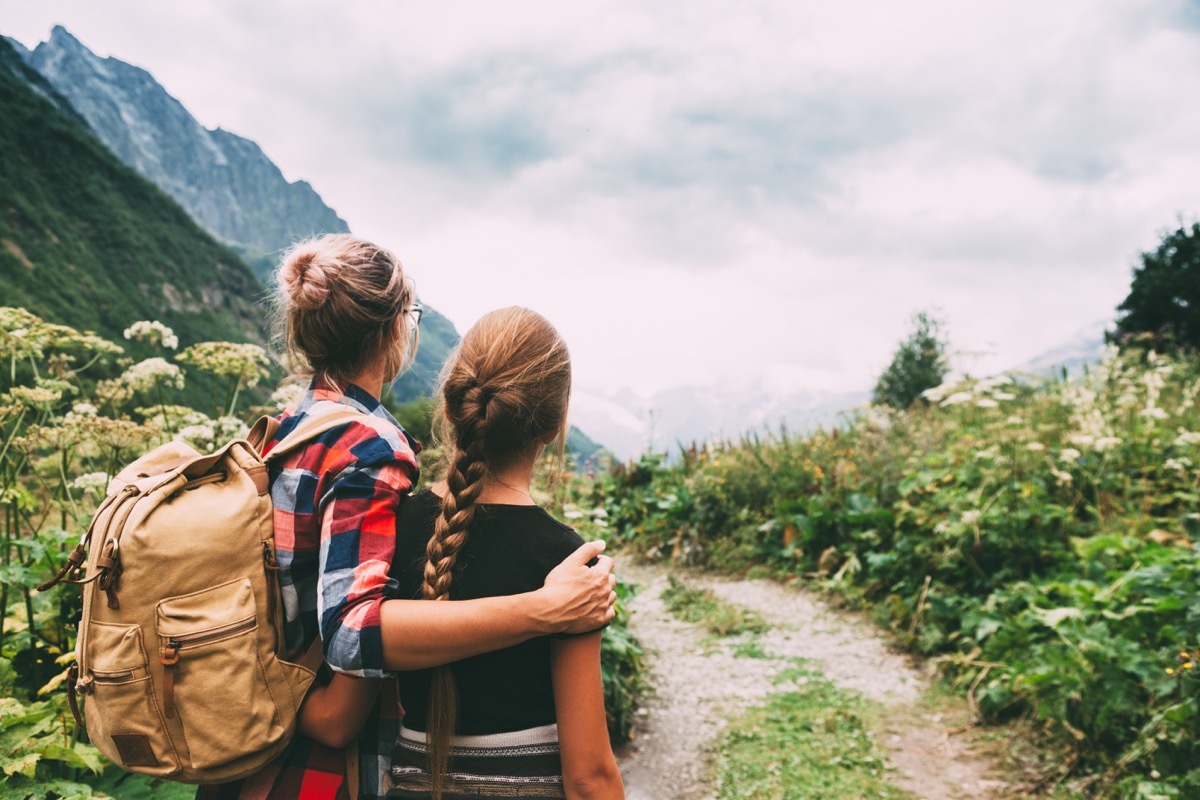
589	769
576	598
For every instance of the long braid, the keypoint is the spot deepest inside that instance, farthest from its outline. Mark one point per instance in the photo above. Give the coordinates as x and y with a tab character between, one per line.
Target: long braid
464	480
504	390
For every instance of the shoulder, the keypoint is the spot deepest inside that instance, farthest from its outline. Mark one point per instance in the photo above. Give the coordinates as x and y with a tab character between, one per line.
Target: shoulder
363	441
544	538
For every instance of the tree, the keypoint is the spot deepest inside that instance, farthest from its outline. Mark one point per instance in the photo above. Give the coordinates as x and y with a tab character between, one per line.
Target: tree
919	364
1164	298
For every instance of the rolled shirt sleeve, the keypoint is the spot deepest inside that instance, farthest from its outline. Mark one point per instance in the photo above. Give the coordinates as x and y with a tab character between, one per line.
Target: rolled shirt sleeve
358	539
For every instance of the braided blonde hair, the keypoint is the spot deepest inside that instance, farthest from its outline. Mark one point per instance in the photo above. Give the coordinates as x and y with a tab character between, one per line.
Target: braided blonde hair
503	394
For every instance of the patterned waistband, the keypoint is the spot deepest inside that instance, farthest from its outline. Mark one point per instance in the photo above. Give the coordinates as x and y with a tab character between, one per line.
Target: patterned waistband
517	764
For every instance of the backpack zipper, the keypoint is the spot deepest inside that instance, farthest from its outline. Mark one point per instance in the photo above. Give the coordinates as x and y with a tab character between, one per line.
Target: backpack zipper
168	654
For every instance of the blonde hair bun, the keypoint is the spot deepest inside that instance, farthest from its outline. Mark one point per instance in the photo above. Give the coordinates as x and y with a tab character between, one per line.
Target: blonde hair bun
339	300
303	278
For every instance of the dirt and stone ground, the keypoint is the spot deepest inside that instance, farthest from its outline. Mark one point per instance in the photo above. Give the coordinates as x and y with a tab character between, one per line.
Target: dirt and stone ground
697	687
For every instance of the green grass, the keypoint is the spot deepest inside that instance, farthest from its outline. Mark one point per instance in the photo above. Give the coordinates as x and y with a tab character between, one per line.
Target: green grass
808	742
701	606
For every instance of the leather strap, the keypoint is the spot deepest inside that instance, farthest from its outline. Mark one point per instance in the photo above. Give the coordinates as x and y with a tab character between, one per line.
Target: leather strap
352	769
263	431
313	657
72	677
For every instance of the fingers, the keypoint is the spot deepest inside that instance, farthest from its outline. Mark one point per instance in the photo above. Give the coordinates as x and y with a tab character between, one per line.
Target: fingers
585	553
604	564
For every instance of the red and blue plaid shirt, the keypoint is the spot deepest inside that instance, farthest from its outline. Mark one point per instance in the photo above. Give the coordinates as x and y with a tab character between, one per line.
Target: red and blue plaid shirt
335	505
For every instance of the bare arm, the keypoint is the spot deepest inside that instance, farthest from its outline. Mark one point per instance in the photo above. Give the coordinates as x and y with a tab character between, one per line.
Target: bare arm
334	714
589	769
575	598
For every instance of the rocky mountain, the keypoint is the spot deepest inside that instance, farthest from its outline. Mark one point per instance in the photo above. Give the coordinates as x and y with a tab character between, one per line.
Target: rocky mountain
88	242
224	181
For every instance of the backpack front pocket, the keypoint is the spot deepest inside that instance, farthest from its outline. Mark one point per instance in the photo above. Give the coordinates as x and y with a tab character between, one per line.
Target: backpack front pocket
123	716
213	679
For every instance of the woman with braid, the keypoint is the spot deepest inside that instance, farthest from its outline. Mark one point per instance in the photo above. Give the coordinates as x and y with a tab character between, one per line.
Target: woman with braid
533	714
349	317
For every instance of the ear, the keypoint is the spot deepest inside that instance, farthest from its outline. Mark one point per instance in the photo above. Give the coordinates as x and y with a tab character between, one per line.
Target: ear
549	438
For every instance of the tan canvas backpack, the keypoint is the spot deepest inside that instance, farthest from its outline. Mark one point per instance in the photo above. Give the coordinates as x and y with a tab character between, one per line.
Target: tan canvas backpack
178	658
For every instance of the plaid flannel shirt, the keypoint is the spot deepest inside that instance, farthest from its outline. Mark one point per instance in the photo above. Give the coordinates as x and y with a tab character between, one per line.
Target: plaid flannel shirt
335	528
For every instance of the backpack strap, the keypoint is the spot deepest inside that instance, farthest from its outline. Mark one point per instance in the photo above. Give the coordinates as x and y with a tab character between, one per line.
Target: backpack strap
352	769
309	428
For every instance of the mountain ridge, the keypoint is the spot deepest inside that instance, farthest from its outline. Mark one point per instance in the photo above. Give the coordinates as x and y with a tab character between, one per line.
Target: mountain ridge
225	181
87	241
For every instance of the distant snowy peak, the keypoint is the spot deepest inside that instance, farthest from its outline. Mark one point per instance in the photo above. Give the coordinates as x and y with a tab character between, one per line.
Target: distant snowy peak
225	181
628	425
1084	347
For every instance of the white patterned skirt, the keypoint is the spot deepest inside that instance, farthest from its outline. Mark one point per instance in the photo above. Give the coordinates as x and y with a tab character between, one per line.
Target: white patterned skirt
518	764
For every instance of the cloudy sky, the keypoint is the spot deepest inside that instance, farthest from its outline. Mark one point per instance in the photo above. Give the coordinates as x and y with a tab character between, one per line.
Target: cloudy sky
755	194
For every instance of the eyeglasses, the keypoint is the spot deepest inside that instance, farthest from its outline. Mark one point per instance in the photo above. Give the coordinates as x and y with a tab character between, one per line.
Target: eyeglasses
414	315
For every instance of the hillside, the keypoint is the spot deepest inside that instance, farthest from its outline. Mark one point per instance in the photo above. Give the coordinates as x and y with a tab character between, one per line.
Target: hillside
224	181
86	241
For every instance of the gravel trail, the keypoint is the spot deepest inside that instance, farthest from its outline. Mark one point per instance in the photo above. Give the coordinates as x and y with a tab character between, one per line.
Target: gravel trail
695	689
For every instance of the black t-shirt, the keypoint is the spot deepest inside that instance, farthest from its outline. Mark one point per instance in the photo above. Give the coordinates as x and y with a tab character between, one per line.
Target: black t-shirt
509	549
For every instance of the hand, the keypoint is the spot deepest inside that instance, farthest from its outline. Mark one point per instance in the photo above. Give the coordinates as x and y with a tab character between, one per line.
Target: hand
580	598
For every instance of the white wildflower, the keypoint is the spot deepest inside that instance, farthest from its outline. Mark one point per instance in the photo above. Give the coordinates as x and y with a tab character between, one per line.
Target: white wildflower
34	397
95	482
1070	455
145	375
571	511
988	384
227	427
1083	439
987	453
938	392
247	363
84	410
1180	464
1187	438
972	516
287	396
1014	421
1153	412
1106	443
1061	478
198	435
1004	395
957	398
154	332
986	402
1036	447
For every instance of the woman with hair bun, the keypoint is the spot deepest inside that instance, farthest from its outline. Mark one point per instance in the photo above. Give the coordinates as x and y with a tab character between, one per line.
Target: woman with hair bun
348	316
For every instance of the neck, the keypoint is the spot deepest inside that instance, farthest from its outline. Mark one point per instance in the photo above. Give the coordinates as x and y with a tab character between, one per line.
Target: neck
510	486
370	380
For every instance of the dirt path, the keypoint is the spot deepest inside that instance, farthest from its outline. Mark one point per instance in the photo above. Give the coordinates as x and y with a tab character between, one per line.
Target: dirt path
696	691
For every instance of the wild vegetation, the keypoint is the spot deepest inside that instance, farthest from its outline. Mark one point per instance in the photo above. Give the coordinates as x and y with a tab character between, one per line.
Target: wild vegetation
74	408
1038	537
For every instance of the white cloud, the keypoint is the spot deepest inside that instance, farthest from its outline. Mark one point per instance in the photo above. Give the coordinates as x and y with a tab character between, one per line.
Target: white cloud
710	193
